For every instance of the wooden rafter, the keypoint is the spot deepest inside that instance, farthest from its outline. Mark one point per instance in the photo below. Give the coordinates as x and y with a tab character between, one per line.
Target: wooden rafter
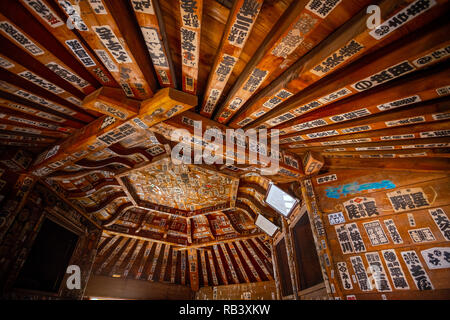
350	42
298	30
190	31
240	22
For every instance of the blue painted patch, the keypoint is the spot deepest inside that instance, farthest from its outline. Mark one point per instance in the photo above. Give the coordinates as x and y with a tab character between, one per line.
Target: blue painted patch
354	187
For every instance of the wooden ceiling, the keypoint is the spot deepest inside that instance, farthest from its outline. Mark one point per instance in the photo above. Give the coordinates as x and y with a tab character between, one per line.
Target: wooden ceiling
363	98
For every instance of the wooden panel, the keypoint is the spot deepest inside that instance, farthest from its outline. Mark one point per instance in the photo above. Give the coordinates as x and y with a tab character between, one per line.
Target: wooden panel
190	31
239	26
390	217
285	274
254	291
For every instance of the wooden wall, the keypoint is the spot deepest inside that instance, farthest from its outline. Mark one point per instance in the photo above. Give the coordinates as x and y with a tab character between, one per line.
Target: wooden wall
120	288
251	291
382	234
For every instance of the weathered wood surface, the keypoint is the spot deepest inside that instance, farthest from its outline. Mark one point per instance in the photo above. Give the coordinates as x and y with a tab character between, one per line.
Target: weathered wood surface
378	205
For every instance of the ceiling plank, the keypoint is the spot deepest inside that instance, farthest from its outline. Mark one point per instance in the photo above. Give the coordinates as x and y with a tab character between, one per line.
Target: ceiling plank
154	261
204	270
17	107
424	153
238	260
382	145
419	131
212	267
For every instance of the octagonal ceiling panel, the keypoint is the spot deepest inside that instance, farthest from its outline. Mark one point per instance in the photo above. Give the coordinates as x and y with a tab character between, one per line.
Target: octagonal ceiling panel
185	190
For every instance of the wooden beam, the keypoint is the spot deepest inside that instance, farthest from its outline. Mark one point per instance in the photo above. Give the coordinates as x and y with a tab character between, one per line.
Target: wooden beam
393	61
423	153
427	112
382	145
222	273
300	29
419	131
98	185
212	267
105	202
107	130
230	265
113	232
15	67
204	269
95	23
290	257
17	107
421	86
162	273
149	17
117	215
193	269
33	121
154	261
238	261
48	18
247	260
261	264
240	22
77	209
276	274
40	53
219	241
112	102
17	126
422	165
42	101
190	32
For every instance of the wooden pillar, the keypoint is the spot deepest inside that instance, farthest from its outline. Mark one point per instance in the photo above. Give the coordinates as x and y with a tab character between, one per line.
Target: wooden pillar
290	256
320	239
276	274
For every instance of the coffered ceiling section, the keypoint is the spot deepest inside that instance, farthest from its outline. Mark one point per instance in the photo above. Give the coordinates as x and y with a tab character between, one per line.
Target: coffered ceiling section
189	189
